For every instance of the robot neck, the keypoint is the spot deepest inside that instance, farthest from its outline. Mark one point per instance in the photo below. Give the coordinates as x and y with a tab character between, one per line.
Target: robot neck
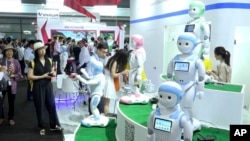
167	111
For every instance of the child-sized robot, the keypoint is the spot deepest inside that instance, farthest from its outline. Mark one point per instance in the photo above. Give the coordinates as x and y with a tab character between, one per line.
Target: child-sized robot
96	83
168	122
136	64
184	68
199	27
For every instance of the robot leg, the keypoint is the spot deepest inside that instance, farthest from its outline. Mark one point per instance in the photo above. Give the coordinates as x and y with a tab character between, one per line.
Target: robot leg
95	100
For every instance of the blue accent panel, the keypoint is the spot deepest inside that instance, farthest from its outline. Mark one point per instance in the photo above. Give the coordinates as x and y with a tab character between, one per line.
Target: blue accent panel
95	101
177	57
157	112
175	115
229	5
170	89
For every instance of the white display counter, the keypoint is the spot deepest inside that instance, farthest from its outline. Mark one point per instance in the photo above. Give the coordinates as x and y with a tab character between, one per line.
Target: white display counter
221	105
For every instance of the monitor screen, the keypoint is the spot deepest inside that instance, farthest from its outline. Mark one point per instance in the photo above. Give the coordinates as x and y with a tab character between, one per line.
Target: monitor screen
181	66
189	28
163	124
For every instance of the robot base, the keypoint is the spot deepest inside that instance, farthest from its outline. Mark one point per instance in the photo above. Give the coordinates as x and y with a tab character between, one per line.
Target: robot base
134	99
91	121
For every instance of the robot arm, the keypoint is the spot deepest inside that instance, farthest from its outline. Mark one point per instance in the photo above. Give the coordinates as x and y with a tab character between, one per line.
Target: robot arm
201	77
206	35
94	81
150	124
170	70
85	74
187	128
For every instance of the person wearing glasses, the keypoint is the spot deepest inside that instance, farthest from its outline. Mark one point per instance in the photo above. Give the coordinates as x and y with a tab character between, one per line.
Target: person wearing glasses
97	84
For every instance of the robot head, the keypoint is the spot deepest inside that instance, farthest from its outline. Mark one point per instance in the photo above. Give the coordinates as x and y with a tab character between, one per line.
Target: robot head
137	41
186	42
170	94
196	9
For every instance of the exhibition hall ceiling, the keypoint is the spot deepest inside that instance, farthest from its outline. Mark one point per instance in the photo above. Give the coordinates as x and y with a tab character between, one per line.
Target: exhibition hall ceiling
122	4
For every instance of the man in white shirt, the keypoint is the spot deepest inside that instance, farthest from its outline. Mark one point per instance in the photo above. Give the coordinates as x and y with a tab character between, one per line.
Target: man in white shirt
57	52
84	55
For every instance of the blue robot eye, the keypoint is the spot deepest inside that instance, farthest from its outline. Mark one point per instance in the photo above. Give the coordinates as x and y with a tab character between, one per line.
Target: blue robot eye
160	96
169	97
186	44
180	44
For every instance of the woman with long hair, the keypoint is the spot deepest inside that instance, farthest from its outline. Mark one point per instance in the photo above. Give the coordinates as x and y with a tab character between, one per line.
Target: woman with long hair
114	68
224	70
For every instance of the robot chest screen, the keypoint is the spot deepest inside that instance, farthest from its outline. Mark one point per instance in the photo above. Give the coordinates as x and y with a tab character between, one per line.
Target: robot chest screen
163	124
181	66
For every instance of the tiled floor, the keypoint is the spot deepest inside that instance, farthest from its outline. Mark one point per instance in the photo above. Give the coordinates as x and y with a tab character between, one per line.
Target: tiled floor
70	119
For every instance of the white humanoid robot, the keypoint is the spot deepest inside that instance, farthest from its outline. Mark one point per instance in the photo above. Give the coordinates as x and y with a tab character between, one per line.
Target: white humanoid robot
96	83
167	122
199	27
183	69
136	64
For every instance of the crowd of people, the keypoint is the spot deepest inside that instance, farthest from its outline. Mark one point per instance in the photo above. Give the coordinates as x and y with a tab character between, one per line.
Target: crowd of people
37	63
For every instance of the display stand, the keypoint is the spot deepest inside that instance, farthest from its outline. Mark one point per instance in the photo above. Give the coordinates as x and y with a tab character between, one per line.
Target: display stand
221	105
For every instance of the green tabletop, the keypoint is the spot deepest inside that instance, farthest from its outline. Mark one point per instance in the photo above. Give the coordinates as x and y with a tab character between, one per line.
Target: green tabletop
214	86
140	113
224	87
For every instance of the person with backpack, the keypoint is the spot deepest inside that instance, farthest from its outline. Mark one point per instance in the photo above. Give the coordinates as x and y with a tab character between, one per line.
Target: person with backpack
40	72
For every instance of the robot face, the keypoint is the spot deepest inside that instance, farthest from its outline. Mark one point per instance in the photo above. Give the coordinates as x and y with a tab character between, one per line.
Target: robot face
194	11
185	46
167	99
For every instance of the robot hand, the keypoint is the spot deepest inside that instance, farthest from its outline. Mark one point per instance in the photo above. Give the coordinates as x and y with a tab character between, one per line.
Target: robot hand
200	94
150	135
81	79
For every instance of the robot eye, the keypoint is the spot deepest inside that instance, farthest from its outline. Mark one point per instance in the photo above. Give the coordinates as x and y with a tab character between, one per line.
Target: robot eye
160	96
180	44
186	44
194	9
169	97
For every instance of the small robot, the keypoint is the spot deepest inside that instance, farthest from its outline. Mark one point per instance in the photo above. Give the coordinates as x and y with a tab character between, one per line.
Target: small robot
167	122
199	27
189	72
136	64
96	83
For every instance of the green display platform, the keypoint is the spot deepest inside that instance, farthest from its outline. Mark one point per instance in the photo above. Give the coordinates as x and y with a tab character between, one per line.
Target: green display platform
139	114
214	86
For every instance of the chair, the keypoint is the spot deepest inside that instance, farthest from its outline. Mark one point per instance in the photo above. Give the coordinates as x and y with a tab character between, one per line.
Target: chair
70	87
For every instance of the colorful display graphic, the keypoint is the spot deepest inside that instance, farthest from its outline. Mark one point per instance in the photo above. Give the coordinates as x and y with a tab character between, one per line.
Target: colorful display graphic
75	34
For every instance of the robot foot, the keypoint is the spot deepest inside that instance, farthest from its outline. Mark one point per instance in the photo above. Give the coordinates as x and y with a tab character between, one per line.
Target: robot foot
90	121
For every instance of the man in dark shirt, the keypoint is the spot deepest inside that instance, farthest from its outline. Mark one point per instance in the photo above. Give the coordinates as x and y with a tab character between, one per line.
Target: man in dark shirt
48	49
76	51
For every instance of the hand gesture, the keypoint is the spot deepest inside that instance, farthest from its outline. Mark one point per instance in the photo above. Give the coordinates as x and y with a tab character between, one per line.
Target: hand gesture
46	75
